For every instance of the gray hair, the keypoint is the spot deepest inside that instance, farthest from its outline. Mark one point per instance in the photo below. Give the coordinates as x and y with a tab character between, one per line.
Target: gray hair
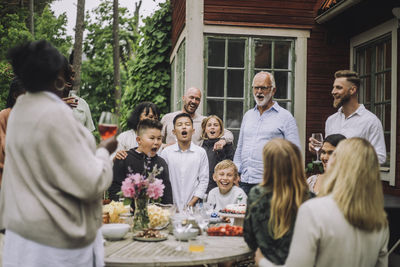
265	74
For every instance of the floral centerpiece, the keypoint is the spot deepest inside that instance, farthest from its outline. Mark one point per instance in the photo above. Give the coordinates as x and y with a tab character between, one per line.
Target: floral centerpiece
141	188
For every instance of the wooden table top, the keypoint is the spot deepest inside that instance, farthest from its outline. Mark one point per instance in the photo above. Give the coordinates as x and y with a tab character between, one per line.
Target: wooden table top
129	252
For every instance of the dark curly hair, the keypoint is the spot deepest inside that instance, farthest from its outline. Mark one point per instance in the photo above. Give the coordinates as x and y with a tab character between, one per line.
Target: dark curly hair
134	118
36	64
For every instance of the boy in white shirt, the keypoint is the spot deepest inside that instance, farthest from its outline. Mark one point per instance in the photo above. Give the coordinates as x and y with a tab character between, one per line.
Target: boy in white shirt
226	175
187	164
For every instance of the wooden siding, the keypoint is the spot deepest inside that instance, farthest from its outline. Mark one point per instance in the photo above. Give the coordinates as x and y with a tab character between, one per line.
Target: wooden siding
260	13
178	19
326	54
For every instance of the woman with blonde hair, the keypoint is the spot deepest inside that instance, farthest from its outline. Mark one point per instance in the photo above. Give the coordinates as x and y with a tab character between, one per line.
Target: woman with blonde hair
212	131
272	205
347	226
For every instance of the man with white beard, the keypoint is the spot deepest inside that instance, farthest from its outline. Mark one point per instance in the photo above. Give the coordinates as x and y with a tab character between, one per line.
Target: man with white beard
267	120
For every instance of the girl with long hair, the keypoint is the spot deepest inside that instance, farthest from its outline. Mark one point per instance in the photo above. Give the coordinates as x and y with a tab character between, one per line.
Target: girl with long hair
272	205
347	226
212	131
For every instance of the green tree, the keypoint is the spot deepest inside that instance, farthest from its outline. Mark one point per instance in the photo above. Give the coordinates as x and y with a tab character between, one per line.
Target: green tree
150	72
97	71
14	31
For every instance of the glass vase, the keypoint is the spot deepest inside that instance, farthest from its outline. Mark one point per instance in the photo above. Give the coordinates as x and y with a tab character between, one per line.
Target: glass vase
141	217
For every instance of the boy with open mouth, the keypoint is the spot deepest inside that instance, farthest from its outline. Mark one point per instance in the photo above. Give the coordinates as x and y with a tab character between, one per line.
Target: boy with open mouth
187	164
149	140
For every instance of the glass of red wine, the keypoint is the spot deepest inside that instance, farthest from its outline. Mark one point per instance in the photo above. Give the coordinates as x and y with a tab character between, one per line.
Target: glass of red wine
108	125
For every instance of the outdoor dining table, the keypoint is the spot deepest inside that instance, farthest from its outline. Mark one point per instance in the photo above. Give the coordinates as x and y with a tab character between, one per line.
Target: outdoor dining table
128	252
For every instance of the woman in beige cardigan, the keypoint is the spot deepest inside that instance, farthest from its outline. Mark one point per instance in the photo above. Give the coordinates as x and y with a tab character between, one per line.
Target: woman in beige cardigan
50	200
347	226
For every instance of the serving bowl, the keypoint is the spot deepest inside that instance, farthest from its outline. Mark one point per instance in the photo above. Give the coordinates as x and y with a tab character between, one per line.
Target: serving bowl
186	235
114	231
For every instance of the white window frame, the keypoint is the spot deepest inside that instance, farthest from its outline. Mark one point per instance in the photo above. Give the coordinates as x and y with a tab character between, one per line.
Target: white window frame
390	27
300	68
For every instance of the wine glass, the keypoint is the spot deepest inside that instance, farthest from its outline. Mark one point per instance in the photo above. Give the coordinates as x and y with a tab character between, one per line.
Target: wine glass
108	125
179	228
316	141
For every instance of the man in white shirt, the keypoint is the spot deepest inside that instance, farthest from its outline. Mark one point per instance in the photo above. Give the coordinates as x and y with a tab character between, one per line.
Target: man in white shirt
187	164
353	119
191	101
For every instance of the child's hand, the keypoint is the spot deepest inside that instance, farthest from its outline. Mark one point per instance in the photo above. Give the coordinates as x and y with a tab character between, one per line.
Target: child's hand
219	145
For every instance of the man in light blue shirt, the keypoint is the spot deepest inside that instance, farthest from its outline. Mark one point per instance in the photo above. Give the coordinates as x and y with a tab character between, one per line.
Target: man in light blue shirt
267	120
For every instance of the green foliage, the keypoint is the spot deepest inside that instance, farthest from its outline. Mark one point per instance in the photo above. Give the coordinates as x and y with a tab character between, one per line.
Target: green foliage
13	31
97	86
151	77
6	75
53	29
314	168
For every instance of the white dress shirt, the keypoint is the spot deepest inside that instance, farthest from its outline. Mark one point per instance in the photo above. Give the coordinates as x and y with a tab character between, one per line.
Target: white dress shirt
362	123
188	172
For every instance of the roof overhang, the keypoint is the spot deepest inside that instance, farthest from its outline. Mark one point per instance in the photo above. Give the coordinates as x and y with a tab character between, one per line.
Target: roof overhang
336	10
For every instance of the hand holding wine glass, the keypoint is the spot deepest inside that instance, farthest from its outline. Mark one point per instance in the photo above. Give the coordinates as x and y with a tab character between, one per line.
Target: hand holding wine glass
316	141
108	125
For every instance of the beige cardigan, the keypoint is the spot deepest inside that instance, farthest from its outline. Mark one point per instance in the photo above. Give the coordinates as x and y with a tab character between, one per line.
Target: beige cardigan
53	177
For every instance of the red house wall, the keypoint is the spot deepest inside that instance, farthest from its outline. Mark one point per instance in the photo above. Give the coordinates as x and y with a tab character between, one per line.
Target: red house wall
325	53
178	19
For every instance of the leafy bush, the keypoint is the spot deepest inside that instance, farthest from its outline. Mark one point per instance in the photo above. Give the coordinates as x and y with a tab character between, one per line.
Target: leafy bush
151	77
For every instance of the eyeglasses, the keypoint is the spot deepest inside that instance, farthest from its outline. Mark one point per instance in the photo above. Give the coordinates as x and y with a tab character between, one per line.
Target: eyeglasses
262	88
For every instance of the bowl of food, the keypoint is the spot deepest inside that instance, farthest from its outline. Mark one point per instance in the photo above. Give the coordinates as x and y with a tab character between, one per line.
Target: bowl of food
186	234
114	231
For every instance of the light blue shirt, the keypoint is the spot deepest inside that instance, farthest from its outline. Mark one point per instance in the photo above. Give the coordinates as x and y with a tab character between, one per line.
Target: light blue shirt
255	132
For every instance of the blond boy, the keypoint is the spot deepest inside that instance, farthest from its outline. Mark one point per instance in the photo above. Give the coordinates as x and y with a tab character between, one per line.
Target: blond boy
226	176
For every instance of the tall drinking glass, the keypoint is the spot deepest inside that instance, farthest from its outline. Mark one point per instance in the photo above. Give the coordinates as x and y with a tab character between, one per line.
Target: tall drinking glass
316	141
108	125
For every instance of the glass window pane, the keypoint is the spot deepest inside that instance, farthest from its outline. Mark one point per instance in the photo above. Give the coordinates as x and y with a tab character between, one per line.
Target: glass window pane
388	54
281	55
379	88
368	60
215	107
387	143
215	82
216	52
234	116
388	86
235	137
282	82
284	105
263	51
367	87
361	62
379	57
236	53
235	83
386	123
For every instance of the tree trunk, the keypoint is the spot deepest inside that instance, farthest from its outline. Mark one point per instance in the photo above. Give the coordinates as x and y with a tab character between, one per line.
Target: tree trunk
117	79
31	13
77	57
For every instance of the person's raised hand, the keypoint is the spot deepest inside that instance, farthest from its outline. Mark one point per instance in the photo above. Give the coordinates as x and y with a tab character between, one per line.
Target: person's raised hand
110	144
310	146
122	154
219	145
71	101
